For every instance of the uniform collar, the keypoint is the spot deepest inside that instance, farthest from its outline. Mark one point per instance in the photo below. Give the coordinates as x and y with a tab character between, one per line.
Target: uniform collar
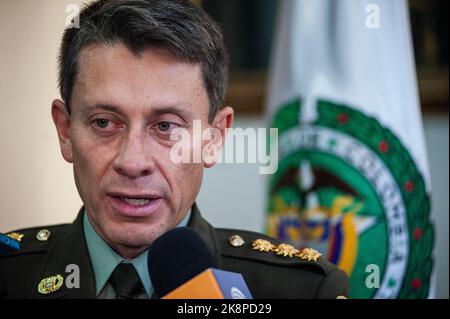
104	259
207	233
71	249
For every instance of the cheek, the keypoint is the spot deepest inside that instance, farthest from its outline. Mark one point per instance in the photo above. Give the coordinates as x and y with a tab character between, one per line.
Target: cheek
90	164
184	180
191	173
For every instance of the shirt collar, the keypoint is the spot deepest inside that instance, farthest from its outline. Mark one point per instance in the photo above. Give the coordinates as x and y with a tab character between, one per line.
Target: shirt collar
104	259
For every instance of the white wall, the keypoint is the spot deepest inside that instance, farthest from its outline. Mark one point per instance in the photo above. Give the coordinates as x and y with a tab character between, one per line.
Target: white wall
436	134
232	195
36	184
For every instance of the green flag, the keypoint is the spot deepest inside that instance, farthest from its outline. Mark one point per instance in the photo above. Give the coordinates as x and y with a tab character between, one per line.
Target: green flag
352	179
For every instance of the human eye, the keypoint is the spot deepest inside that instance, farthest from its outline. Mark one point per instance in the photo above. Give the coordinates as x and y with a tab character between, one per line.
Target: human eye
105	125
165	127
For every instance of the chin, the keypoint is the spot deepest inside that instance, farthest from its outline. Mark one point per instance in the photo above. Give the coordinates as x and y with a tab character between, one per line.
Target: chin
135	235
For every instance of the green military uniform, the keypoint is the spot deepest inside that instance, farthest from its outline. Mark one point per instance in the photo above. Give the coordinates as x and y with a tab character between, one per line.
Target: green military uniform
270	269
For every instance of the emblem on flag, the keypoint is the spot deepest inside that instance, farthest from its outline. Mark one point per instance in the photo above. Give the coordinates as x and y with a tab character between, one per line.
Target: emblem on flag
348	187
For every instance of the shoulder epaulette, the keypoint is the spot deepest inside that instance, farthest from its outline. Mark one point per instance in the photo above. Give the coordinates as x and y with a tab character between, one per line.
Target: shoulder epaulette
35	239
262	248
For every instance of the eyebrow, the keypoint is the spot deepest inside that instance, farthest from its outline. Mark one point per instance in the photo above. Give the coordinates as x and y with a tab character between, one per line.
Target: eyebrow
85	110
180	110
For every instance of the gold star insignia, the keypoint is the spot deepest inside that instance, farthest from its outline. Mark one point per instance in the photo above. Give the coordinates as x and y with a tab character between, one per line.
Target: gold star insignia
262	245
309	254
286	250
16	236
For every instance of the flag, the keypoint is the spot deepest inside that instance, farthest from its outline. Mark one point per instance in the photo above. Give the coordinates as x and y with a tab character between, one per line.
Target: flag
352	179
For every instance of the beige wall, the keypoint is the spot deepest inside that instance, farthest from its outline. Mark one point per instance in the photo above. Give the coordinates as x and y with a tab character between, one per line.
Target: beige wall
36	184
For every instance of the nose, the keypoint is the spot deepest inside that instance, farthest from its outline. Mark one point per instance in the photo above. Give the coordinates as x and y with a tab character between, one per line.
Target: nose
133	160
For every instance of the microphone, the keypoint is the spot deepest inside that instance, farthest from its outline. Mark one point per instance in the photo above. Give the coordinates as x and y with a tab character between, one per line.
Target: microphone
8	244
182	267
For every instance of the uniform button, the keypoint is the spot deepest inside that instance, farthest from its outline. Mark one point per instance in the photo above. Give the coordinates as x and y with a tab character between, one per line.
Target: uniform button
43	235
236	241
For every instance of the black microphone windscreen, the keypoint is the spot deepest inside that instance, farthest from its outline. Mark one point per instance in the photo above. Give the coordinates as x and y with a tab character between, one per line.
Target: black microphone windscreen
176	257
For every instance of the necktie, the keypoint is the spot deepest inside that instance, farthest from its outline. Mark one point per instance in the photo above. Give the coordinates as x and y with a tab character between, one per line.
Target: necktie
125	281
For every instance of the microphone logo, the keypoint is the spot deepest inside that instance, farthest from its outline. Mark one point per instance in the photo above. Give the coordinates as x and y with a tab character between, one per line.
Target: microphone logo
237	294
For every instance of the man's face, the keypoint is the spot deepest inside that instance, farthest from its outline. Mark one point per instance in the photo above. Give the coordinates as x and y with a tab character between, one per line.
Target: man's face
124	108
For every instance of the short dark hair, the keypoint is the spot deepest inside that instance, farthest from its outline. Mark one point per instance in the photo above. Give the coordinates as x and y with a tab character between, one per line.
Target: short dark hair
180	27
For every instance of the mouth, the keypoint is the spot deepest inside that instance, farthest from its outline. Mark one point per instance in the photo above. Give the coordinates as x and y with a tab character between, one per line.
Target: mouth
135	205
136	201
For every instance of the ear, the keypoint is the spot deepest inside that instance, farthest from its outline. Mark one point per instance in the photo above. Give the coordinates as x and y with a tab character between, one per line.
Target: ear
221	123
62	121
